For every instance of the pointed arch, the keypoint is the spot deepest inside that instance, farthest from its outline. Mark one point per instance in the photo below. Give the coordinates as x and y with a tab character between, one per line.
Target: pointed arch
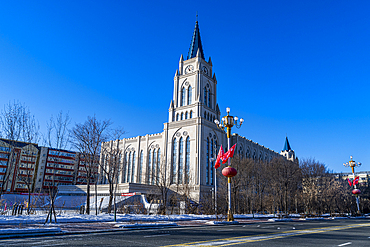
129	168
140	168
183	97
209	99
154	166
158	164
187	160
149	176
190	95
186	115
174	161
133	167
181	160
191	114
205	96
207	162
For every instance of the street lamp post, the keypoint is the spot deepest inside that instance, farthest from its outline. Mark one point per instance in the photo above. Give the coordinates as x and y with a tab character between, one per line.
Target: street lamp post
228	122
356	191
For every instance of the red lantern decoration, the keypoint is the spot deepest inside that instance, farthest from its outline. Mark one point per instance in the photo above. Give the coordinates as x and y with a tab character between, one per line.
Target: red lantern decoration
356	191
229	172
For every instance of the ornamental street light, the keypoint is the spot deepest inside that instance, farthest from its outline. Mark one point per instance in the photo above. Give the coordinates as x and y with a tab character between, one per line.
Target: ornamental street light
228	122
356	191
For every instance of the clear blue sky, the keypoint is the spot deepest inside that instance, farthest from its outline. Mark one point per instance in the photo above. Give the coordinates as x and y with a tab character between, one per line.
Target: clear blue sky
296	68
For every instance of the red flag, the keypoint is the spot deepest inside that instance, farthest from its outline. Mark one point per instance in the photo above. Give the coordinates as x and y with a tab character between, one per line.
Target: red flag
219	157
355	181
349	181
229	154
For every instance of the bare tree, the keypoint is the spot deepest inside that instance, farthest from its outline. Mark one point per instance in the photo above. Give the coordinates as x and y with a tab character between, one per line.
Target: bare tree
161	183
18	124
111	164
87	139
58	138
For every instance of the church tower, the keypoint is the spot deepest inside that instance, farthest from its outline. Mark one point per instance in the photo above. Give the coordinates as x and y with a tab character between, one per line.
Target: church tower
287	152
192	136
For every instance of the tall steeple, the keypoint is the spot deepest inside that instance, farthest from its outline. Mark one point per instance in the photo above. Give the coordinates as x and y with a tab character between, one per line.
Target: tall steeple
286	145
196	43
287	151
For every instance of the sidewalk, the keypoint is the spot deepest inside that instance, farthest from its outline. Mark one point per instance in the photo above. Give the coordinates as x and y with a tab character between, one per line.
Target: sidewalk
26	230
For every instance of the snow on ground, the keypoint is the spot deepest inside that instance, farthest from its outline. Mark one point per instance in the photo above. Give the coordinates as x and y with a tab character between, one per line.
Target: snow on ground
81	218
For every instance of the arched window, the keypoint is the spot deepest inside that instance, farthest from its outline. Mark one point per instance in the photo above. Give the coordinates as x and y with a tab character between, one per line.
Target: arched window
150	167
208	116
205	96
187	160
141	166
154	161
181	161
183	97
205	115
207	163
209	99
124	169
174	161
191	114
190	95
212	163
182	115
248	153
158	164
186	115
133	168
177	117
129	168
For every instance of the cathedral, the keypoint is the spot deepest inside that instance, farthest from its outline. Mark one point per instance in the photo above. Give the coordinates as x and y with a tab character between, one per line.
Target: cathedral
184	153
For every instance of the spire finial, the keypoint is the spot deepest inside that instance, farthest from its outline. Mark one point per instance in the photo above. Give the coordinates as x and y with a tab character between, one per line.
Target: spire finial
196	43
196	16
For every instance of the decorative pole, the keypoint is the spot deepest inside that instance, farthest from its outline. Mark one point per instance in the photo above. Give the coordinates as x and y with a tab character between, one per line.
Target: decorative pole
228	122
356	191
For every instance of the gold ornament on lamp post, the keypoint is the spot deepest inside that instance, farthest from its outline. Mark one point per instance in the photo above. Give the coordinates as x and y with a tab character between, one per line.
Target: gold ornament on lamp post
356	191
228	122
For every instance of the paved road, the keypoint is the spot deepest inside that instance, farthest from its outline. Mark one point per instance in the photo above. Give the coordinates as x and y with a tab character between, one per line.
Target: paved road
301	233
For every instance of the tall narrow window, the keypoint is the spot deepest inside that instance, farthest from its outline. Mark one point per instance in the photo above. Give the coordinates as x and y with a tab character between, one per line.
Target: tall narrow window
181	161
177	117
191	114
150	167
190	95
205	96
207	163
174	161
133	168
187	160
209	99
129	168
124	169
158	164
141	166
183	97
212	162
186	115
154	166
182	116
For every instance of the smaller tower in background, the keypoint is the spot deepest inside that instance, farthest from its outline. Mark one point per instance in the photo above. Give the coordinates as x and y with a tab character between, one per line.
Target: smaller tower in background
287	152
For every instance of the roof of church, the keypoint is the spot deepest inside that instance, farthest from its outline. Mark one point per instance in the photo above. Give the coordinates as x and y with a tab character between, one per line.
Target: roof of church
196	43
286	146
